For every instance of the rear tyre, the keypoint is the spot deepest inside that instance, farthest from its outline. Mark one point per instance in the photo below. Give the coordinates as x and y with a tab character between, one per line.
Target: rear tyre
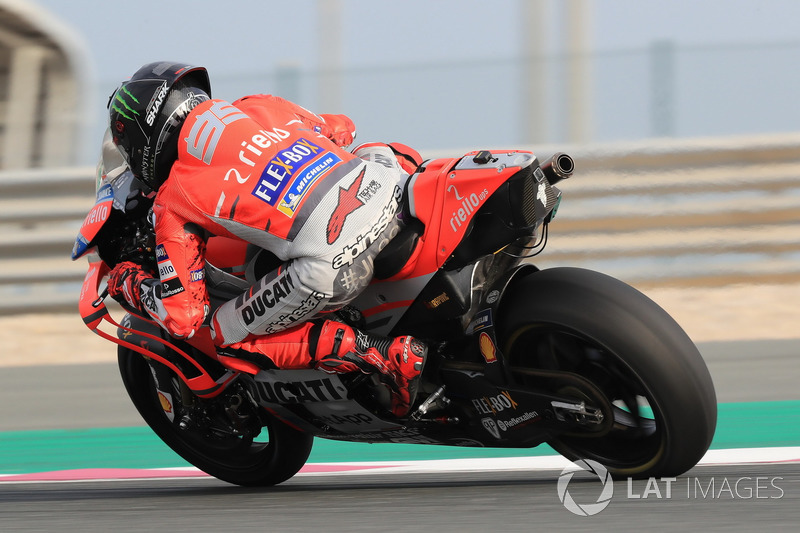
272	457
655	386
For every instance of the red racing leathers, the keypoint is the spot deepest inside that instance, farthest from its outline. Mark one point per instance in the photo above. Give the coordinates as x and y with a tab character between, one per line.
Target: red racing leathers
268	172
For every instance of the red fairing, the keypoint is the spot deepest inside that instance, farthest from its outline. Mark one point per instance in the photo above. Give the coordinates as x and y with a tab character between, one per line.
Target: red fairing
446	200
94	221
91	312
94	313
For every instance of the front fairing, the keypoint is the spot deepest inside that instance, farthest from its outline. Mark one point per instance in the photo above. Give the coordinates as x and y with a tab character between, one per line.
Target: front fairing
121	193
94	221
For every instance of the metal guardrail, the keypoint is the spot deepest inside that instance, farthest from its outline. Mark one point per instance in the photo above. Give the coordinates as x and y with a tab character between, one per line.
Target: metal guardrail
40	213
689	212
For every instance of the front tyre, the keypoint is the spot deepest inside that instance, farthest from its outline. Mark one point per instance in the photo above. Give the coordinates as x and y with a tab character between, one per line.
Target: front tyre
271	457
654	389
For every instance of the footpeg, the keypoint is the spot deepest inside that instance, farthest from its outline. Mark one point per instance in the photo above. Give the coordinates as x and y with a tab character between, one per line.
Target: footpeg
430	404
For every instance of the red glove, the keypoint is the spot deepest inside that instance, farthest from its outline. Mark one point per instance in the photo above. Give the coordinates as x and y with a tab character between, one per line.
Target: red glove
125	284
339	129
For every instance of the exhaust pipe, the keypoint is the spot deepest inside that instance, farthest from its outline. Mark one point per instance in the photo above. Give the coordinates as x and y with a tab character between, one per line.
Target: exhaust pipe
558	167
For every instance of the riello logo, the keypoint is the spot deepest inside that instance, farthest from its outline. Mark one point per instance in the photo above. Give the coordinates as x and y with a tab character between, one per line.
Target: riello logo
468	205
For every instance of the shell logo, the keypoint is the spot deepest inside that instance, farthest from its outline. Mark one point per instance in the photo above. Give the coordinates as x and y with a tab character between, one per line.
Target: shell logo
488	350
165	403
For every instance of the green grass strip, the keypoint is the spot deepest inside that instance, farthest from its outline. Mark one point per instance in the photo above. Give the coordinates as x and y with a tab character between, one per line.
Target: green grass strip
740	425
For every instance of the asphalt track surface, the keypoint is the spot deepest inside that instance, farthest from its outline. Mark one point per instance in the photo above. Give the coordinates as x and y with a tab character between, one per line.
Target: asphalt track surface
766	499
749	497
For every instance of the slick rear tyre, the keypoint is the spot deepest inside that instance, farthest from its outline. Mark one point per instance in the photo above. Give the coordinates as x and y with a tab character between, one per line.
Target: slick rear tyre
272	457
654	384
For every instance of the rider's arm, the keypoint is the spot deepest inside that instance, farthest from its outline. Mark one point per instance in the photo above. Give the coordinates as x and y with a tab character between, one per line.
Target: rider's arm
338	128
180	299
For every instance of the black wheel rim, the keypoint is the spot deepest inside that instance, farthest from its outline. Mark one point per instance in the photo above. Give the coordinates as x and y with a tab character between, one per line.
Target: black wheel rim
635	441
228	452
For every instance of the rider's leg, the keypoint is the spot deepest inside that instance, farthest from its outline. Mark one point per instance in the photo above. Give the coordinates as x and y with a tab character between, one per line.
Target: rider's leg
338	348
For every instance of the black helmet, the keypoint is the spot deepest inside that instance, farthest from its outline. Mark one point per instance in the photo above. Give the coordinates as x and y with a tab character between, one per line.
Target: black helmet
146	114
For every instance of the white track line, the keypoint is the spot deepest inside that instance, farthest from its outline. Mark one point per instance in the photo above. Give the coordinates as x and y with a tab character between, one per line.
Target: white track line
785	455
557	462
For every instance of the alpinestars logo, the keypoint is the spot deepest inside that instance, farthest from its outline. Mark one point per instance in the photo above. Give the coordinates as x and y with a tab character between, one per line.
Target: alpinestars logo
348	202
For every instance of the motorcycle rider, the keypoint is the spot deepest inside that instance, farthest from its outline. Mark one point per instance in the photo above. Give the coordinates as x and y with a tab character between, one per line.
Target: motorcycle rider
271	173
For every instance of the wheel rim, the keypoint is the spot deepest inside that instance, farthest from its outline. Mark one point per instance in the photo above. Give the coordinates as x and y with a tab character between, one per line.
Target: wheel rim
635	441
214	447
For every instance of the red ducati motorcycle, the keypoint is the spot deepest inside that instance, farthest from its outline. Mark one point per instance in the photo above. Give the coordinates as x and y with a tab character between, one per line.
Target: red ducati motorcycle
518	356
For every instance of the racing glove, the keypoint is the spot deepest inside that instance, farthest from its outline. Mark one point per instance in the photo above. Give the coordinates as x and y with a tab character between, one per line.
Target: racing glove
339	129
125	285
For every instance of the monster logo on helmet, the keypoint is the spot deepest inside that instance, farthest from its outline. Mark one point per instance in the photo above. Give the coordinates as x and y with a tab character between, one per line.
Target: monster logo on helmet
121	106
147	111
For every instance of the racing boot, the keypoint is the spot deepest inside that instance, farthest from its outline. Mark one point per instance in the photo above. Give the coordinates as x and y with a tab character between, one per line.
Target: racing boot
341	348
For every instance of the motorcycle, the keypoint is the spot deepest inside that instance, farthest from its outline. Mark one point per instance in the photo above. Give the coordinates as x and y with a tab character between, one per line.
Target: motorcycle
518	356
